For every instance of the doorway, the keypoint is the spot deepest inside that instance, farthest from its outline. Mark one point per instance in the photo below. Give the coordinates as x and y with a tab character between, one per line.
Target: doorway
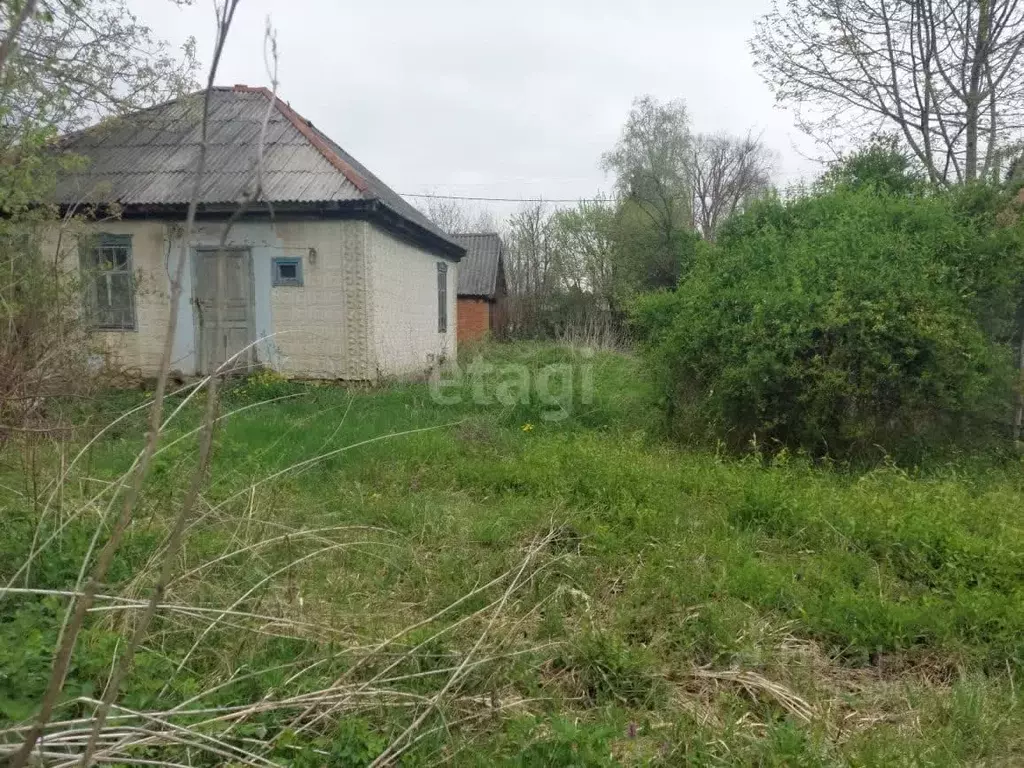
231	339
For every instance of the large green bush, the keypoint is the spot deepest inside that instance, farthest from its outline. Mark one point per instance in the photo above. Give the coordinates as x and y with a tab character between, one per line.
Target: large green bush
847	321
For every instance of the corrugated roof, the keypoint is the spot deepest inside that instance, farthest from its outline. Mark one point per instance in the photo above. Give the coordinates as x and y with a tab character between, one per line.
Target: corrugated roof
479	270
148	158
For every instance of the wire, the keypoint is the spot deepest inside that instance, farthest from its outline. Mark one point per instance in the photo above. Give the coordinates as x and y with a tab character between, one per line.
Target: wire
513	199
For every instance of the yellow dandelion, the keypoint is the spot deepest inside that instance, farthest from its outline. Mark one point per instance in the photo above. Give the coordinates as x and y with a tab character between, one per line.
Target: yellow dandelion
527	427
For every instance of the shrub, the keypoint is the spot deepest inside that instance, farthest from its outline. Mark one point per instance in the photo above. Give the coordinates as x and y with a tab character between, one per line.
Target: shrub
843	321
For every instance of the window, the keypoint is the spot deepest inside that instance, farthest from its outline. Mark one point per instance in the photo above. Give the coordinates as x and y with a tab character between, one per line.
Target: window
442	297
109	287
287	271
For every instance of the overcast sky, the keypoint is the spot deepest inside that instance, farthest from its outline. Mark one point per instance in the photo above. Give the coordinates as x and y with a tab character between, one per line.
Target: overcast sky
498	99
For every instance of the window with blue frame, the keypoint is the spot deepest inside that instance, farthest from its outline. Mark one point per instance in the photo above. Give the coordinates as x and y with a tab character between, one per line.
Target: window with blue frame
286	271
108	283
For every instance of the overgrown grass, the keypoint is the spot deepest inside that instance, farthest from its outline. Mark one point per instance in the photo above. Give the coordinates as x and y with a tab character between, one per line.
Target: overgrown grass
649	605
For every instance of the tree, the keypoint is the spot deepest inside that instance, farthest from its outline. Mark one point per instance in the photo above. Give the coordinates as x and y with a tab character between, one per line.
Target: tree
530	273
651	167
584	241
530	251
449	215
63	63
881	165
727	172
455	218
946	75
79	61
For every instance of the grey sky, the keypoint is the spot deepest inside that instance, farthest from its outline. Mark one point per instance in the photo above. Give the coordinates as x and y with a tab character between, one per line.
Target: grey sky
510	99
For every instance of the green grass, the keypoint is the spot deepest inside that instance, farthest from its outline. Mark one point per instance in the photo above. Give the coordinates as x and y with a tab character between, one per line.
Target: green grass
688	607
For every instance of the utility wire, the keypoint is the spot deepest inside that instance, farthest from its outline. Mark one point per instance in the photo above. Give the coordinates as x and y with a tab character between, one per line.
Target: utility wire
514	199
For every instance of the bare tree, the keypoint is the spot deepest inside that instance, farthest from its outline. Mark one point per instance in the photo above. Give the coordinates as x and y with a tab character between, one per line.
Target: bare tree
530	267
727	172
449	215
454	217
946	74
531	255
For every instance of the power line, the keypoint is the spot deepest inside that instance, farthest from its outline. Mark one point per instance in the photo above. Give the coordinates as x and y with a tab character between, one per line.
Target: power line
513	199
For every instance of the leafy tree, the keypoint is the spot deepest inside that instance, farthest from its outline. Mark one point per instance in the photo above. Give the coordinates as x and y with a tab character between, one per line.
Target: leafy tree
65	63
649	259
77	62
651	164
584	239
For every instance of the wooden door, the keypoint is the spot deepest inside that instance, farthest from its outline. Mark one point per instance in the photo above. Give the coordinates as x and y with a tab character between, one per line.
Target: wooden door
236	332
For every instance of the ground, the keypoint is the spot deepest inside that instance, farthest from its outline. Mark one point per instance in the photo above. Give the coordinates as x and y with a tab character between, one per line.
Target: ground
543	591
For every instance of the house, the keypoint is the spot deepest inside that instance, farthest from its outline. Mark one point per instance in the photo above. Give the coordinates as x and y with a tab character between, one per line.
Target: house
482	287
328	273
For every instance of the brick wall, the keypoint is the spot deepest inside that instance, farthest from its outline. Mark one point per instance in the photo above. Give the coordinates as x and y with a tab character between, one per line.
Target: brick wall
474	318
367	306
403	305
320	327
139	351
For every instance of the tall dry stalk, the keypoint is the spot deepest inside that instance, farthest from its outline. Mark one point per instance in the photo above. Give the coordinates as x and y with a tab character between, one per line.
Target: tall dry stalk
210	419
62	660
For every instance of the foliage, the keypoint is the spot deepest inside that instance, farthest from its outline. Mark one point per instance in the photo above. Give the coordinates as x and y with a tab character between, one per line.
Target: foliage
585	245
75	62
652	167
580	267
80	61
890	598
880	166
843	322
651	160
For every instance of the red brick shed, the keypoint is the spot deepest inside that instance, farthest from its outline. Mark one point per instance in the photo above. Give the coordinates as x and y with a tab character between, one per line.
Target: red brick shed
482	288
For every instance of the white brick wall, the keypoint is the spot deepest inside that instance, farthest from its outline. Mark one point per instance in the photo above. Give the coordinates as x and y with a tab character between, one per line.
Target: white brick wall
320	328
367	308
403	306
140	351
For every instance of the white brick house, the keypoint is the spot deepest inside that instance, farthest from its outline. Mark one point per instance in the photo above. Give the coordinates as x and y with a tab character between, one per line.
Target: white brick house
329	274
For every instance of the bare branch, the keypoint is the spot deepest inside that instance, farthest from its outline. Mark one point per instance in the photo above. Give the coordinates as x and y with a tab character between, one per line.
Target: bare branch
12	34
727	173
948	75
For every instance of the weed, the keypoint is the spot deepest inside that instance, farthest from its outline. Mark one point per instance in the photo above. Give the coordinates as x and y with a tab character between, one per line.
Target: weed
656	623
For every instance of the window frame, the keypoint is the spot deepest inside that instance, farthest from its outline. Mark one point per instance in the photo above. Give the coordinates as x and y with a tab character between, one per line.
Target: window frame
442	297
286	282
93	268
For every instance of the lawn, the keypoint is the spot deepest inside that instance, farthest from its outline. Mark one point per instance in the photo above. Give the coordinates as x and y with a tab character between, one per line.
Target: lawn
544	582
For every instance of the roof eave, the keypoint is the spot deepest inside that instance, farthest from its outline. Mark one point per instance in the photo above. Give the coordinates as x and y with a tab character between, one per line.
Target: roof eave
408	230
369	210
484	296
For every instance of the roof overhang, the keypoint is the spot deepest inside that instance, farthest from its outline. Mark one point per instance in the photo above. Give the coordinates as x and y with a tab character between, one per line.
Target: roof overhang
372	211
